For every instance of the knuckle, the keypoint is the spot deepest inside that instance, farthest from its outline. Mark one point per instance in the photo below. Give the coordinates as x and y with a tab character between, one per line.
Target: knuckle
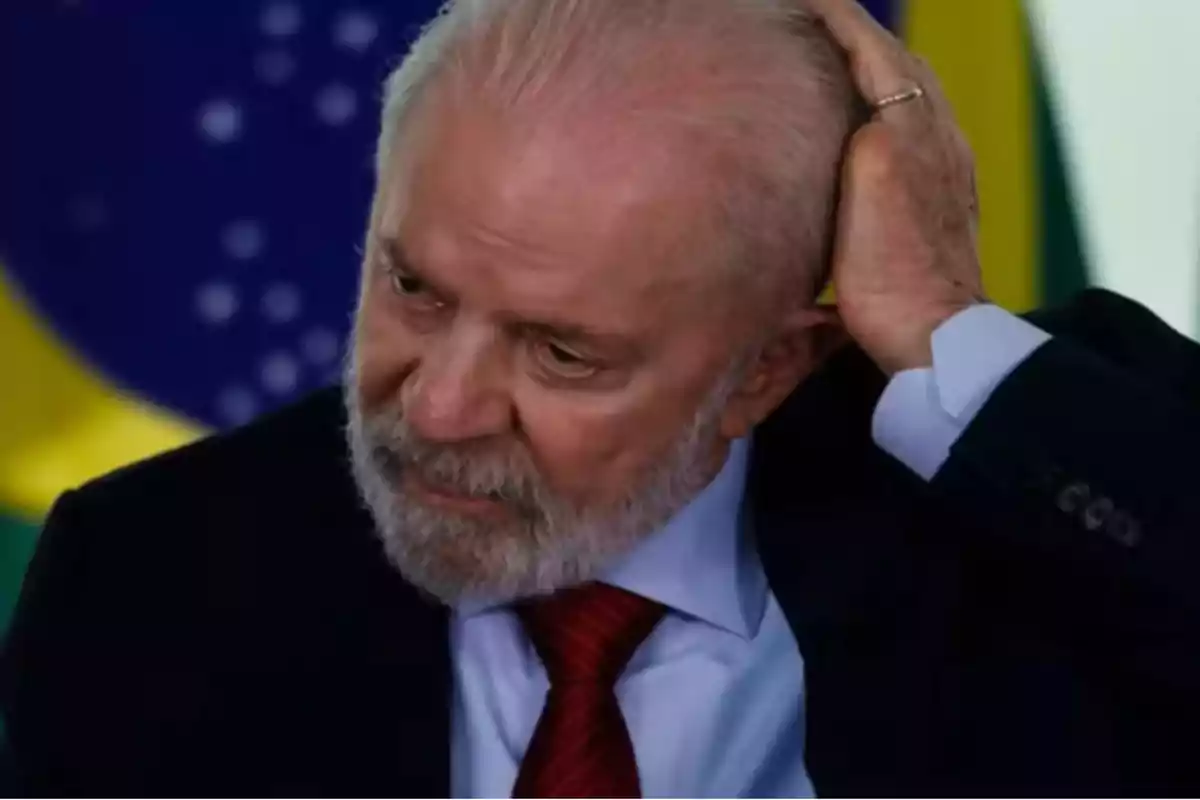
876	140
874	151
923	70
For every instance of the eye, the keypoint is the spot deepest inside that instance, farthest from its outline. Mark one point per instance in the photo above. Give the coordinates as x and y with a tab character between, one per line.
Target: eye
405	284
413	290
562	361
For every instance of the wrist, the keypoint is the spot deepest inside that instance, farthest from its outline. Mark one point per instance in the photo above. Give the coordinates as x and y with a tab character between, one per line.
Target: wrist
912	348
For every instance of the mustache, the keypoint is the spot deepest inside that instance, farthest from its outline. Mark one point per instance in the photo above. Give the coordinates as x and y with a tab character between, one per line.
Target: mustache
473	470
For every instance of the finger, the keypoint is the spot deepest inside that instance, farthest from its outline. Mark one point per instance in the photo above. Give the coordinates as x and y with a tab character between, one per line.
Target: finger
851	25
881	65
877	58
929	109
926	78
907	107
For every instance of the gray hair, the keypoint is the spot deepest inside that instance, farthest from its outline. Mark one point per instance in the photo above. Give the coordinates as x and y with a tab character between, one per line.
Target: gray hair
758	84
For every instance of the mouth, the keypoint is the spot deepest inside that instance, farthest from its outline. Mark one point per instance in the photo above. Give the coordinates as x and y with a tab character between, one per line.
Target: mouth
490	504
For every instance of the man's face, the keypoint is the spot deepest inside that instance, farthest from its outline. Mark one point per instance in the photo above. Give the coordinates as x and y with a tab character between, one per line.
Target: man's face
542	358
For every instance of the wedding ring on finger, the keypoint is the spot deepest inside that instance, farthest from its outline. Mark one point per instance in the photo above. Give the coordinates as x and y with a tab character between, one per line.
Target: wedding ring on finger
913	93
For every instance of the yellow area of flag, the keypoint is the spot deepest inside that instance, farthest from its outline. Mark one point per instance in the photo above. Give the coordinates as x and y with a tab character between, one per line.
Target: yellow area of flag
980	52
61	423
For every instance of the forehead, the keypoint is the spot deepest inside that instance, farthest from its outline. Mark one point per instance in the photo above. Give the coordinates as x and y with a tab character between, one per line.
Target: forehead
599	222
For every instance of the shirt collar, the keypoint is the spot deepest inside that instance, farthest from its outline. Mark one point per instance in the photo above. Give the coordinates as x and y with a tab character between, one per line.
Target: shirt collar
701	563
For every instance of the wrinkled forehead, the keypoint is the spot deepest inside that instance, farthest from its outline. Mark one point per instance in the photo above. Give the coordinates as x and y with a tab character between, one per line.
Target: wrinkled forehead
610	151
598	189
612	229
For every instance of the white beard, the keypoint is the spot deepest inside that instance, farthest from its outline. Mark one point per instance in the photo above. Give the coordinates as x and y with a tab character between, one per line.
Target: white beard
545	543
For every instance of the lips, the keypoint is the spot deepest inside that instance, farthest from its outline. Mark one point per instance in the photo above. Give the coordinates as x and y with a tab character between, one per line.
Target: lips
442	487
402	471
450	499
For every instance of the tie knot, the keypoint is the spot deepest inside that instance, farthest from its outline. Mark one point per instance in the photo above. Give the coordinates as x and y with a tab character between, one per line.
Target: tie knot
588	632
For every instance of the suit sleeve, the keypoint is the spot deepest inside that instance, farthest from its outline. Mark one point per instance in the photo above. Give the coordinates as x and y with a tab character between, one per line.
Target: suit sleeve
1084	460
923	411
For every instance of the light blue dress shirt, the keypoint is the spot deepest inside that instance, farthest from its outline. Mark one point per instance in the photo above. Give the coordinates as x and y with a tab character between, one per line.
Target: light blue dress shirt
714	698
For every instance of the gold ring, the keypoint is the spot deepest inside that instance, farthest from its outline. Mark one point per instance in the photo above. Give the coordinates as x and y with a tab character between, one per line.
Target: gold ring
900	97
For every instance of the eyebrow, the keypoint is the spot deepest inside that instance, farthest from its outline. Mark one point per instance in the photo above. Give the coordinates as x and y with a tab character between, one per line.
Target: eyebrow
563	330
393	251
573	332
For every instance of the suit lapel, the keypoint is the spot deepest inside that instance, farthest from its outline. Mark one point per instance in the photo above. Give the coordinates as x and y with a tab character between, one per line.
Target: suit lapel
850	552
402	692
374	686
371	717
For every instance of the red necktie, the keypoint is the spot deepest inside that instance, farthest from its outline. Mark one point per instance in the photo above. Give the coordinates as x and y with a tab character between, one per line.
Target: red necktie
585	636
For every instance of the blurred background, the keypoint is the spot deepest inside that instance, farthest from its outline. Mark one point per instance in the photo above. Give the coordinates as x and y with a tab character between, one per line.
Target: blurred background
183	186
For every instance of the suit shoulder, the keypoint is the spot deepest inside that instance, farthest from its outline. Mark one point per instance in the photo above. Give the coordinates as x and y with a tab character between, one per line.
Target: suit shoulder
1103	317
228	504
267	505
1127	334
280	448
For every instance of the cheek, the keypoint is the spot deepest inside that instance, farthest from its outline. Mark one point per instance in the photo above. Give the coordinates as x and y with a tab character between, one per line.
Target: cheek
385	350
592	451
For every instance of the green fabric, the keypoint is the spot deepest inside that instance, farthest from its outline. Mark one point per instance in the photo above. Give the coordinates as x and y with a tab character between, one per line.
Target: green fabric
1064	270
17	540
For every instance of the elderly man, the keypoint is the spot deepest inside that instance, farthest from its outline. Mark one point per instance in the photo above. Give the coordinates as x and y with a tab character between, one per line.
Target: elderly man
651	522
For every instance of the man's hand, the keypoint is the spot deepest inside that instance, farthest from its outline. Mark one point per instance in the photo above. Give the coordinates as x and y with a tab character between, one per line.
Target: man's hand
905	257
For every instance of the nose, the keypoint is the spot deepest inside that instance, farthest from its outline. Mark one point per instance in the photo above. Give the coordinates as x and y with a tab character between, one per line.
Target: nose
459	391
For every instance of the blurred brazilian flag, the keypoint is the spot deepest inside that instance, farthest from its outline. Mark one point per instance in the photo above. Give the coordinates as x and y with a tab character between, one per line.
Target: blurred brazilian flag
182	186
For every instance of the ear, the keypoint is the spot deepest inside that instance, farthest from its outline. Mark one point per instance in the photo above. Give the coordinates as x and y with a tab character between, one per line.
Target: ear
804	340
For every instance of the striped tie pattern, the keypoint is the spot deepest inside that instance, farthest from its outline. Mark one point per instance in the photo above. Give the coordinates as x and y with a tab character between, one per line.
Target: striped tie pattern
585	637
